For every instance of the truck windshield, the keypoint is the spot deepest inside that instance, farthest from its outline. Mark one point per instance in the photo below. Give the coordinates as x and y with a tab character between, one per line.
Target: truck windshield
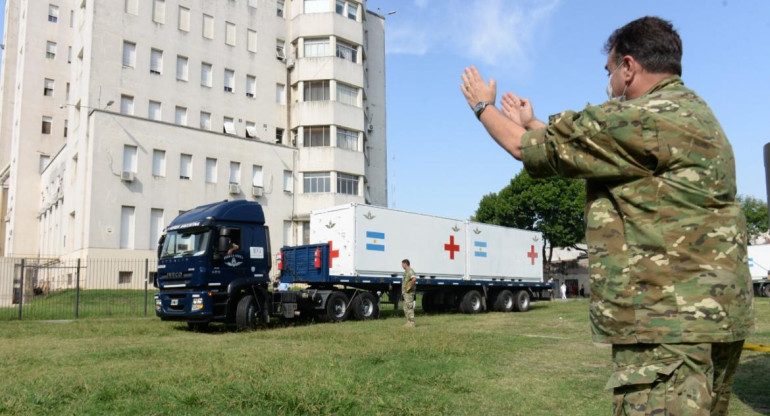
185	243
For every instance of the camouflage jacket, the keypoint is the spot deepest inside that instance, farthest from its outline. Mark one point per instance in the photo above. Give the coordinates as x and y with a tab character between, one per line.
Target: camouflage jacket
666	236
408	275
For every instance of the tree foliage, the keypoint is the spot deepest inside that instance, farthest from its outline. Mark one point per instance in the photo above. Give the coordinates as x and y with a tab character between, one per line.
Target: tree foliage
553	206
755	211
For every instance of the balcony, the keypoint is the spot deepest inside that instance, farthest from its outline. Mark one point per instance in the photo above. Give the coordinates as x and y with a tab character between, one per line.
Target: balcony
321	24
322	113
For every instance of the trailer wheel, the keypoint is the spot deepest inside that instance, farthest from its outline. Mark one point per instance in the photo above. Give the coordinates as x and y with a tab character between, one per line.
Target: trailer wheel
429	302
246	313
766	290
365	307
504	301
471	302
521	301
336	307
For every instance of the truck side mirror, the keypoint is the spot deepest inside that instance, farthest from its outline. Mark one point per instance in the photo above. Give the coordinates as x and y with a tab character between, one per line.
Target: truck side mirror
161	240
223	244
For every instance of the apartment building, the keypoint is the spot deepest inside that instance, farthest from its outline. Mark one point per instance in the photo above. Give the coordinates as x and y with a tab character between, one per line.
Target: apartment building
117	115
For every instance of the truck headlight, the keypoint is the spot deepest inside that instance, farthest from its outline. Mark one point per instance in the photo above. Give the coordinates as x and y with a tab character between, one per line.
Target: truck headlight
197	303
158	304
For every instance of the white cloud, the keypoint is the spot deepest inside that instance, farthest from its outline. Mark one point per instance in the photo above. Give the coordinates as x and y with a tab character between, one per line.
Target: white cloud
490	32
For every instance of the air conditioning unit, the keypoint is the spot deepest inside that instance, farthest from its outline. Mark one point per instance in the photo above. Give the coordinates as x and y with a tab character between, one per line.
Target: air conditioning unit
235	188
257	190
290	63
127	176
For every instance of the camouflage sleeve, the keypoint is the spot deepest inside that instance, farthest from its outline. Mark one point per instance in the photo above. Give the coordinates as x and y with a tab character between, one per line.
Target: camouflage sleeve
609	142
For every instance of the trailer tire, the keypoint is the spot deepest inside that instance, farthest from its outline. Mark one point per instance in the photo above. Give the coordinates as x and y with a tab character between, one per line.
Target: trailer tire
765	291
336	309
503	301
429	302
521	301
246	313
471	302
365	307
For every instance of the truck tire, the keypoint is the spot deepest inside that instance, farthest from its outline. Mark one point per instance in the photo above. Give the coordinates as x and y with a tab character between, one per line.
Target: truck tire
503	301
471	302
521	301
336	307
365	307
766	290
246	313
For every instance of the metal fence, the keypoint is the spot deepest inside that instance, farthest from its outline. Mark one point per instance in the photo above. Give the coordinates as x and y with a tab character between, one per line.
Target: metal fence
75	288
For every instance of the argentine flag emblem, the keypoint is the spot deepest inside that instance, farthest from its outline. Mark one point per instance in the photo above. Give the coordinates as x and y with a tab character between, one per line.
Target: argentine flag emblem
375	241
480	249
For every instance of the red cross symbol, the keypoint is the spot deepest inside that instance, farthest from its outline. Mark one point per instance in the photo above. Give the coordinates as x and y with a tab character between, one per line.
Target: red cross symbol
336	253
451	247
532	255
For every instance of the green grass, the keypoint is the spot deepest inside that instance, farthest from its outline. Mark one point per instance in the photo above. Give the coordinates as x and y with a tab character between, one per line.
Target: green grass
536	363
60	304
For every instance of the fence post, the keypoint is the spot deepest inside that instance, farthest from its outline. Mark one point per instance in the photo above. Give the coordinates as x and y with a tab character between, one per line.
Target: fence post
77	289
21	290
146	278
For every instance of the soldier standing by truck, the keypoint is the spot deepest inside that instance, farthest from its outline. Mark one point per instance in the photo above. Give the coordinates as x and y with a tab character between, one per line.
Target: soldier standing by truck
408	292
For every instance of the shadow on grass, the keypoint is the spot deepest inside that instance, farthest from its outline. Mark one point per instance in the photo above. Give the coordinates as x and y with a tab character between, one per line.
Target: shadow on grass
752	382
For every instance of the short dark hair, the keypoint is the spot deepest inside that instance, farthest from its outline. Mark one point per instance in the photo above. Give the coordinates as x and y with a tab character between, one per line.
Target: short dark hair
406	261
652	41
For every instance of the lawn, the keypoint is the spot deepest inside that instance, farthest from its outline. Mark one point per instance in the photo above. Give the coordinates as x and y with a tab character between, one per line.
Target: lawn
537	363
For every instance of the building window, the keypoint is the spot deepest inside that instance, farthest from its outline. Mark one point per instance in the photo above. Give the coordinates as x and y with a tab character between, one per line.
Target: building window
126	104
316	136
129	54
346	8
288	181
316	47
205	120
280	94
50	50
67	92
316	6
317	182
53	13
251	41
43	162
235	173
156	61
180	115
251	130
181	68
46	128
158	163
346	51
316	90
159	11
229	80
132	7
153	112
129	158
48	87
69	54
184	19
228	126
347	184
126	227
185	166
211	170
230	33
253	3
278	135
156	226
347	139
251	86
280	49
208	26
124	278
347	95
256	176
66	125
279	8
206	75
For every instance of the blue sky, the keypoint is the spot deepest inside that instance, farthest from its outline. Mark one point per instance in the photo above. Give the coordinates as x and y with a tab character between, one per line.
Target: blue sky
440	159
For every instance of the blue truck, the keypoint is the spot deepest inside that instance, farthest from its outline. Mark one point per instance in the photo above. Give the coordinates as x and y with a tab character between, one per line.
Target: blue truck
214	265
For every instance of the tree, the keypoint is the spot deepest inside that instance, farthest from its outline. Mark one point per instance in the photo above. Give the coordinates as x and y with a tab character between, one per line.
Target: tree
756	216
553	206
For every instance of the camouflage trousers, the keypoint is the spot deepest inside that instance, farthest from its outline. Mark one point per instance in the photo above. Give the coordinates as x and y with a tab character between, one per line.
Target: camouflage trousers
409	306
673	379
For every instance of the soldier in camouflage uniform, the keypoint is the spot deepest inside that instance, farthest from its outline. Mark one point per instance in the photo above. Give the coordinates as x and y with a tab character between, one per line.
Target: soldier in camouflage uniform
670	286
408	292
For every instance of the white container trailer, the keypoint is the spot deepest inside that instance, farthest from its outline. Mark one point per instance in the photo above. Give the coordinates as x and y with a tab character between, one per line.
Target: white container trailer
371	241
759	267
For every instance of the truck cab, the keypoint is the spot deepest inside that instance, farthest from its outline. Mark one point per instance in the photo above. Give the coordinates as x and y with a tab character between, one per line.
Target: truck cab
208	259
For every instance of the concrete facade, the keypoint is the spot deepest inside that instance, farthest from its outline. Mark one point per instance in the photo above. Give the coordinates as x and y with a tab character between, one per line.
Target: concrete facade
170	104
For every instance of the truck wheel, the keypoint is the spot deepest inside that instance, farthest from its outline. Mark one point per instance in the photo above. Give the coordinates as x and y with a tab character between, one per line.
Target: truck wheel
521	301
365	307
766	290
336	307
504	301
471	302
246	313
